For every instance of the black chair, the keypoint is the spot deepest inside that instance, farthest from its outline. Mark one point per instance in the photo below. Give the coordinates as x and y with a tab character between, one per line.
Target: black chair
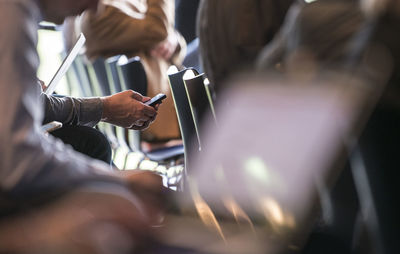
185	118
95	81
99	68
200	102
100	86
132	75
107	71
112	74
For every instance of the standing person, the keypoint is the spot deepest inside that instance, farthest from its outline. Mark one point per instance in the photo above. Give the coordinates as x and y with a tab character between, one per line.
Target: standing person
143	28
36	169
232	32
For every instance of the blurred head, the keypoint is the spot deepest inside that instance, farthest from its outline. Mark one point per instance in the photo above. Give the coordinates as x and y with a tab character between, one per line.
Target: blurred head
380	7
57	10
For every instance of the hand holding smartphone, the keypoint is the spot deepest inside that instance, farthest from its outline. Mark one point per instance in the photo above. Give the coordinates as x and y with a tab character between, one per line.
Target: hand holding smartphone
155	100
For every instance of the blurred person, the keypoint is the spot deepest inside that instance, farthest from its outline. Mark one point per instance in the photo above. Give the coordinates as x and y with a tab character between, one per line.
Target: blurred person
308	45
381	137
36	171
363	41
303	45
142	28
232	32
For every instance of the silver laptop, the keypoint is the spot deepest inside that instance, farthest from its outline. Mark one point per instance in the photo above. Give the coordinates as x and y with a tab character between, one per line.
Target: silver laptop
65	64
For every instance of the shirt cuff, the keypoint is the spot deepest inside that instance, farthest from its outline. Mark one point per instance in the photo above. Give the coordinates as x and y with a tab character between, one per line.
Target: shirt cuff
91	111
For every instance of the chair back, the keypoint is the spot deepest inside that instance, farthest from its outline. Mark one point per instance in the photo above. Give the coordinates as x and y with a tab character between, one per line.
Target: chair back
185	118
97	90
99	68
132	74
112	74
199	101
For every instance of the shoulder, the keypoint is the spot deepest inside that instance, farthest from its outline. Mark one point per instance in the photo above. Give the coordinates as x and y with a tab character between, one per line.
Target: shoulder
20	23
21	18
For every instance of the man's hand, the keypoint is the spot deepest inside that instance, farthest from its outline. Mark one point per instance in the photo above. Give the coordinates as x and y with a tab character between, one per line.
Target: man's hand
148	187
42	84
107	220
126	109
166	48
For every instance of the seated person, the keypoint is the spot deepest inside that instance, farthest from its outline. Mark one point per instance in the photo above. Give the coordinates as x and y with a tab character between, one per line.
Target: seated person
36	169
144	29
78	115
233	32
357	38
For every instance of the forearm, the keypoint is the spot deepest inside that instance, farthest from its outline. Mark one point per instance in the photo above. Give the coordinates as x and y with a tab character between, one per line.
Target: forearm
74	111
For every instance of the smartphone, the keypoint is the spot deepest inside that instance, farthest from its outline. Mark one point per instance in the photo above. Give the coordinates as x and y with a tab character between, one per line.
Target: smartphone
156	100
52	126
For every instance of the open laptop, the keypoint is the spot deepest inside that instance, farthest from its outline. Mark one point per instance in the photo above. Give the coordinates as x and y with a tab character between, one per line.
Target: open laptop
65	64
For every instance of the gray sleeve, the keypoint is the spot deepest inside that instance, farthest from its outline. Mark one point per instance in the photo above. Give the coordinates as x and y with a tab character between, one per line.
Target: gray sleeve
74	111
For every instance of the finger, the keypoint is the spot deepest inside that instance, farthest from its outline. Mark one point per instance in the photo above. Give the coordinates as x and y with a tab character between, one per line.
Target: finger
149	111
145	118
145	98
142	119
156	52
167	53
157	49
136	96
42	84
141	126
152	118
146	125
135	127
153	53
164	51
139	123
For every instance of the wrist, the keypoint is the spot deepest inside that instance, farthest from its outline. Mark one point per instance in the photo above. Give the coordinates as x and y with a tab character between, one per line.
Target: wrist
105	115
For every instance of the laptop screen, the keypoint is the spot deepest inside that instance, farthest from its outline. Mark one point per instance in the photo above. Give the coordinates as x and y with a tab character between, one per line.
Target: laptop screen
65	64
